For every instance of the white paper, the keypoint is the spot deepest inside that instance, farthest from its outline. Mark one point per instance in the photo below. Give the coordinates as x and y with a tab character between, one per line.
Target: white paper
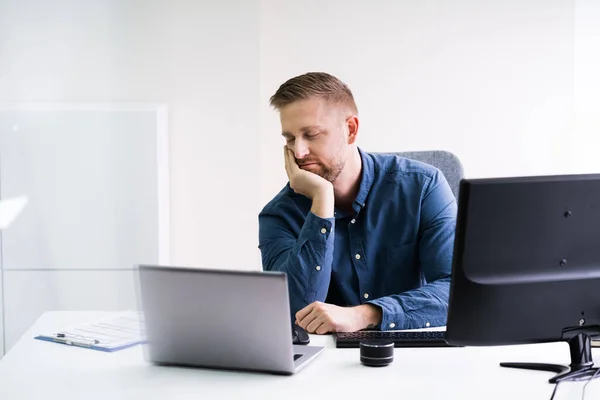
121	330
10	209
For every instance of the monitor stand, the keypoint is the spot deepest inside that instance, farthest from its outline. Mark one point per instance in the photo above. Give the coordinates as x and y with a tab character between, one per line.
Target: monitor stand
581	362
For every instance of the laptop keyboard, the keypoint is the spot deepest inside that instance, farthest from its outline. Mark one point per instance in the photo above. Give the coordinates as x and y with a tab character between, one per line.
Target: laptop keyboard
400	339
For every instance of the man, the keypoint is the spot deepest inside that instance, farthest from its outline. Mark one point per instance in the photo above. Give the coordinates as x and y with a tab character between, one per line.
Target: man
366	240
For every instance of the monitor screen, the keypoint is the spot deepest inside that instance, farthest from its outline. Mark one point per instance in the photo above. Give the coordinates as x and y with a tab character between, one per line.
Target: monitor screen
526	266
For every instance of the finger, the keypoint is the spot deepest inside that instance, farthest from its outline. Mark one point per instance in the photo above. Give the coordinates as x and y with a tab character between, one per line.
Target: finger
304	322
304	312
324	328
307	319
316	324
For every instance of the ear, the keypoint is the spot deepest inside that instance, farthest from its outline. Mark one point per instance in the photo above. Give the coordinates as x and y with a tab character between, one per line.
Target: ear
352	124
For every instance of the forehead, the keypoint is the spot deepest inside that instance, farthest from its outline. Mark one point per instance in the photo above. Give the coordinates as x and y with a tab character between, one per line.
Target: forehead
303	113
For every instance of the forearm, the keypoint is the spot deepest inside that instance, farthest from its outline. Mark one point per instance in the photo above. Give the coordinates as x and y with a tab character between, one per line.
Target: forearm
308	270
424	307
306	261
309	266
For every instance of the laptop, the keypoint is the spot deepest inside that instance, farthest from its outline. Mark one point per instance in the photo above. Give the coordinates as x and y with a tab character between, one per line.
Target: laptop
234	320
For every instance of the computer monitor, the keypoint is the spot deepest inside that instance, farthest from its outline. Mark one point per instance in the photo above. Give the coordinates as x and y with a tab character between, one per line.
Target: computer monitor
526	267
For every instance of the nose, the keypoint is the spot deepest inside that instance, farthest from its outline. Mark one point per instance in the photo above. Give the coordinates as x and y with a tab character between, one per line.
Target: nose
300	149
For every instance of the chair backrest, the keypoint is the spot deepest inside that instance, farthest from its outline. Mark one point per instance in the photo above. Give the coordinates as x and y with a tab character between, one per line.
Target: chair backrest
445	161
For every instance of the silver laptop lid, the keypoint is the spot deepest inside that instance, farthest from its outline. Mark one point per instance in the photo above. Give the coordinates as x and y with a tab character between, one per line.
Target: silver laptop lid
216	318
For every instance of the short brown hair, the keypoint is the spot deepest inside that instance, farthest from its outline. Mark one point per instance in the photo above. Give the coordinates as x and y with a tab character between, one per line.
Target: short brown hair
313	84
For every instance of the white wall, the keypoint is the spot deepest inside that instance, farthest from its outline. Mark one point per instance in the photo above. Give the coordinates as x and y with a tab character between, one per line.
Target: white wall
509	86
199	57
587	83
491	81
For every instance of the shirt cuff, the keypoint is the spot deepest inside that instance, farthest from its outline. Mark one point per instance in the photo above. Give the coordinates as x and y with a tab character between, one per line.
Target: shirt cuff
392	314
317	230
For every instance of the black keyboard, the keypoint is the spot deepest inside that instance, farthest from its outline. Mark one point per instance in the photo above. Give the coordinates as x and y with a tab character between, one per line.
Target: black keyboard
400	339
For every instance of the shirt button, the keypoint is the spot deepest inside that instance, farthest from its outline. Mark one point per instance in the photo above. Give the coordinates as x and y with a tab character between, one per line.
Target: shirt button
427	324
357	256
318	268
392	325
353	221
366	295
323	230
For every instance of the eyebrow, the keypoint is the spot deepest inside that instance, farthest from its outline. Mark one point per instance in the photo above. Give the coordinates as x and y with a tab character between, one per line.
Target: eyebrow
305	129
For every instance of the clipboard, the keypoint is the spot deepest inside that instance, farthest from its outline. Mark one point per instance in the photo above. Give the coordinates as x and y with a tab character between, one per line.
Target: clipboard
111	334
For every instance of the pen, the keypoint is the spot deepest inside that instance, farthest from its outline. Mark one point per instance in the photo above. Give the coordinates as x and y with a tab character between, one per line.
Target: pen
74	341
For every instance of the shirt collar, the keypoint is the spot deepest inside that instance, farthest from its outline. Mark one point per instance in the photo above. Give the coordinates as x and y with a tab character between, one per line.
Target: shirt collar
366	180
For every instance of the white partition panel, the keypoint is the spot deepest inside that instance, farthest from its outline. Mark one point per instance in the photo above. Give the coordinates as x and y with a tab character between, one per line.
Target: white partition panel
97	181
28	294
1	316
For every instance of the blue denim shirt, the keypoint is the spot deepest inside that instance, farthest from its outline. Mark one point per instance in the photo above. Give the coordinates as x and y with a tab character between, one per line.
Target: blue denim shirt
394	250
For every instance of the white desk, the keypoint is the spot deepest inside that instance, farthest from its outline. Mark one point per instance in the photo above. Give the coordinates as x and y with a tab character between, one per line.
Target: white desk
34	369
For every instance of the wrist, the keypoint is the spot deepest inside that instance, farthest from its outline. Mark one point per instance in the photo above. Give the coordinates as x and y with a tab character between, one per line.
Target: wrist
370	316
323	203
324	192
